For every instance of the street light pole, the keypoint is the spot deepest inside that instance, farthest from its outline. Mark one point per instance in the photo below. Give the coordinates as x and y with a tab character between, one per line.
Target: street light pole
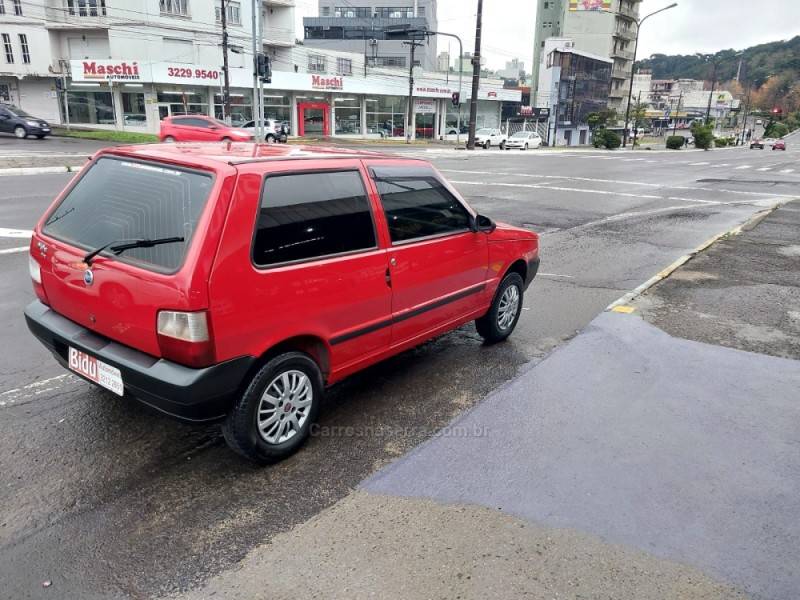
633	64
711	95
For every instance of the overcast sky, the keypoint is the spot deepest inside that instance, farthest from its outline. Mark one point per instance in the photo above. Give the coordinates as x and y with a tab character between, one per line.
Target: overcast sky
693	26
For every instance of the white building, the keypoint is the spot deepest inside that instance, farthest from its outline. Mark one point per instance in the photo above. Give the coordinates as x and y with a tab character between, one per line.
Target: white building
514	69
443	62
126	68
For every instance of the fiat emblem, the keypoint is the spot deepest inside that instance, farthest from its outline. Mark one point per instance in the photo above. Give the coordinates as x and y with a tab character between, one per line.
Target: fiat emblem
88	277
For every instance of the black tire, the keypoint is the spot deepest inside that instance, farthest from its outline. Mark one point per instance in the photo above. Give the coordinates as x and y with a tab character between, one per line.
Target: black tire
169	140
487	145
240	428
503	145
270	138
226	139
488	326
525	147
39	137
20	132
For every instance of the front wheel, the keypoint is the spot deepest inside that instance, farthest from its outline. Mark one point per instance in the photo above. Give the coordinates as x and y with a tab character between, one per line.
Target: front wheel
503	315
502	145
169	139
273	417
270	138
525	147
20	132
487	145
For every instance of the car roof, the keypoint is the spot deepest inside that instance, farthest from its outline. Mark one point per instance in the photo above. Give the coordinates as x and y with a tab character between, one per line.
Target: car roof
210	154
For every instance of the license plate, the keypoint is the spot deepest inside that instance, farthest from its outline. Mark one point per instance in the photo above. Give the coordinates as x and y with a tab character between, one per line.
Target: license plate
101	373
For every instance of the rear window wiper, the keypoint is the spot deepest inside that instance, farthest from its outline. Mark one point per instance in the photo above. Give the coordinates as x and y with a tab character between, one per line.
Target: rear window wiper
118	247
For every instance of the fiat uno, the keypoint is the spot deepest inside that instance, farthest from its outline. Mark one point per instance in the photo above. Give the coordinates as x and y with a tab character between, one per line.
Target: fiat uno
235	282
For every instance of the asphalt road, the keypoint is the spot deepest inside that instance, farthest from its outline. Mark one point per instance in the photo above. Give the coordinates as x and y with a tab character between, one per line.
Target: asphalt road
103	498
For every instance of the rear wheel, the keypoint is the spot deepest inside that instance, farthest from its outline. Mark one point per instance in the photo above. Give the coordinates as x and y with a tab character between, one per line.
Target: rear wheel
273	417
502	316
169	139
503	145
270	138
487	145
226	139
20	132
525	147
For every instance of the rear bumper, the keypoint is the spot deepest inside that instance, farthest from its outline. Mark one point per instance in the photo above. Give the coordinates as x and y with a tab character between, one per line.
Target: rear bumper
182	392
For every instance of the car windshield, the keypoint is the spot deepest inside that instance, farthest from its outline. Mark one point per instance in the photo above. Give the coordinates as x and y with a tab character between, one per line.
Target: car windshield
119	199
484	131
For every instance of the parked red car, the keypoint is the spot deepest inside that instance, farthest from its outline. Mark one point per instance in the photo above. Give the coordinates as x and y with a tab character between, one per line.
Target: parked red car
200	128
779	145
237	282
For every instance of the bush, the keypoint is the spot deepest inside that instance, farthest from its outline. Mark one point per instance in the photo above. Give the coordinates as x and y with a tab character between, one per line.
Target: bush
720	142
675	142
612	140
703	136
599	138
776	130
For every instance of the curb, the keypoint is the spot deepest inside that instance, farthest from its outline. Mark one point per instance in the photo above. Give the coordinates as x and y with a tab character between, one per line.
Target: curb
619	305
38	170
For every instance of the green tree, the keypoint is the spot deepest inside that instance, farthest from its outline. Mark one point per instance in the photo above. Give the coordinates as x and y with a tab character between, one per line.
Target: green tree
703	135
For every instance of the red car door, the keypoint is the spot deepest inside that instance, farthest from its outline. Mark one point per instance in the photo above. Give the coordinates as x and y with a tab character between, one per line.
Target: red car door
438	265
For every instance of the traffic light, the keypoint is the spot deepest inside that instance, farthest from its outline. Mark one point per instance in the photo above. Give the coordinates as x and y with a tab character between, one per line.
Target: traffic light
456	98
264	68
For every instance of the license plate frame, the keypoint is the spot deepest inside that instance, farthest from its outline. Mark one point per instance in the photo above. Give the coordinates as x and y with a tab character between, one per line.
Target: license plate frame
95	370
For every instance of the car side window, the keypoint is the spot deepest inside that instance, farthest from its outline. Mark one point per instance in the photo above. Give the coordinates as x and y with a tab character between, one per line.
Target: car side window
190	122
312	215
417	204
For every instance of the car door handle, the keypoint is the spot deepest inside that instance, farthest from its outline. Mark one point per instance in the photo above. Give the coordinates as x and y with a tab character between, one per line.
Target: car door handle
393	261
388	277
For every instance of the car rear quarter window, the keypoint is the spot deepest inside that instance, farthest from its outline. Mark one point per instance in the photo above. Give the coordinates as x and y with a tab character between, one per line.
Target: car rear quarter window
417	204
310	215
126	200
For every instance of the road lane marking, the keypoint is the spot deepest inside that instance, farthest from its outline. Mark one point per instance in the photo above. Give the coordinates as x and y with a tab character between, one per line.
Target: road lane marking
34	389
555	275
698	164
764	169
558	189
744	167
618	182
14	250
788	171
15	233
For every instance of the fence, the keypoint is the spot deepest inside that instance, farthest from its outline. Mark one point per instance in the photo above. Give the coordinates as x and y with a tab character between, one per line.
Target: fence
537	126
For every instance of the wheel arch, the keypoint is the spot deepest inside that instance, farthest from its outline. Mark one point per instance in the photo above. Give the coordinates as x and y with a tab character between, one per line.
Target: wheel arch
520	267
312	345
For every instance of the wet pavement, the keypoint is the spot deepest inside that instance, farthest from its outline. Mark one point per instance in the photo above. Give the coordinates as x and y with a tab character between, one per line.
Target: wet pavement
107	499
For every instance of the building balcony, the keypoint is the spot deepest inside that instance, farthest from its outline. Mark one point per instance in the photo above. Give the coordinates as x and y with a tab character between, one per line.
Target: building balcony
631	13
276	36
626	54
620	74
625	33
61	14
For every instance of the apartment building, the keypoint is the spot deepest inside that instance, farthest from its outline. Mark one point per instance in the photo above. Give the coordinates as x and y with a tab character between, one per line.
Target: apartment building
125	65
600	27
360	26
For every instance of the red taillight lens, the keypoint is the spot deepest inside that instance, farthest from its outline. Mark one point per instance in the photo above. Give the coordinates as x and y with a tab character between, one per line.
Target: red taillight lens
185	337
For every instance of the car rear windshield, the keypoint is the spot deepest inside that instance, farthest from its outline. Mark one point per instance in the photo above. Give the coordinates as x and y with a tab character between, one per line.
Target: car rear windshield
123	200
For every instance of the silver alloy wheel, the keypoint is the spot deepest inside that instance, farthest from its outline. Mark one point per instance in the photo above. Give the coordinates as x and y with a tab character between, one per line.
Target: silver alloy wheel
508	308
284	406
20	132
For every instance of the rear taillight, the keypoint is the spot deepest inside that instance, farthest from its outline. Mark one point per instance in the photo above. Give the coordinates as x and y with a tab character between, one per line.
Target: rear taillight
35	270
185	337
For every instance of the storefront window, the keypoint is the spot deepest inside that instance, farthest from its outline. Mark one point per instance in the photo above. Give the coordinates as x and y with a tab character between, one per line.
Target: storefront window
241	107
277	105
348	116
451	124
184	102
386	116
90	107
133	111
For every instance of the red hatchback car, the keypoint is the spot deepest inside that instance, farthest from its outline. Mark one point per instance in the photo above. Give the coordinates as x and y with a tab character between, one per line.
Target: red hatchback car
200	128
237	281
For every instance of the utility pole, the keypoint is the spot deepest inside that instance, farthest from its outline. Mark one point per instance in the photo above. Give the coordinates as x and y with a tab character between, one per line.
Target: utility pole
476	79
711	95
677	112
255	9
410	117
636	118
226	94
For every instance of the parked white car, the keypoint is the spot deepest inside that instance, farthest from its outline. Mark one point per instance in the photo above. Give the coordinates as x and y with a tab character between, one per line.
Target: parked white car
524	140
488	137
274	130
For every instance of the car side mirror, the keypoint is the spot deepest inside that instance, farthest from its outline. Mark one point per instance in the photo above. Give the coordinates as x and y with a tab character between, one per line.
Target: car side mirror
484	224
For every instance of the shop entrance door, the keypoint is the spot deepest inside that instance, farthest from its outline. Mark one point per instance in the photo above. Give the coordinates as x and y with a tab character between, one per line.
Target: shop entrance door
313	118
164	111
425	125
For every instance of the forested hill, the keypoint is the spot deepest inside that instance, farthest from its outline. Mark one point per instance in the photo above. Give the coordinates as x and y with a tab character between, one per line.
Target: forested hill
758	63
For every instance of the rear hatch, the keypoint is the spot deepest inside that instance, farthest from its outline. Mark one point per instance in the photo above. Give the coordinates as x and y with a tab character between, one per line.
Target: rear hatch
119	201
